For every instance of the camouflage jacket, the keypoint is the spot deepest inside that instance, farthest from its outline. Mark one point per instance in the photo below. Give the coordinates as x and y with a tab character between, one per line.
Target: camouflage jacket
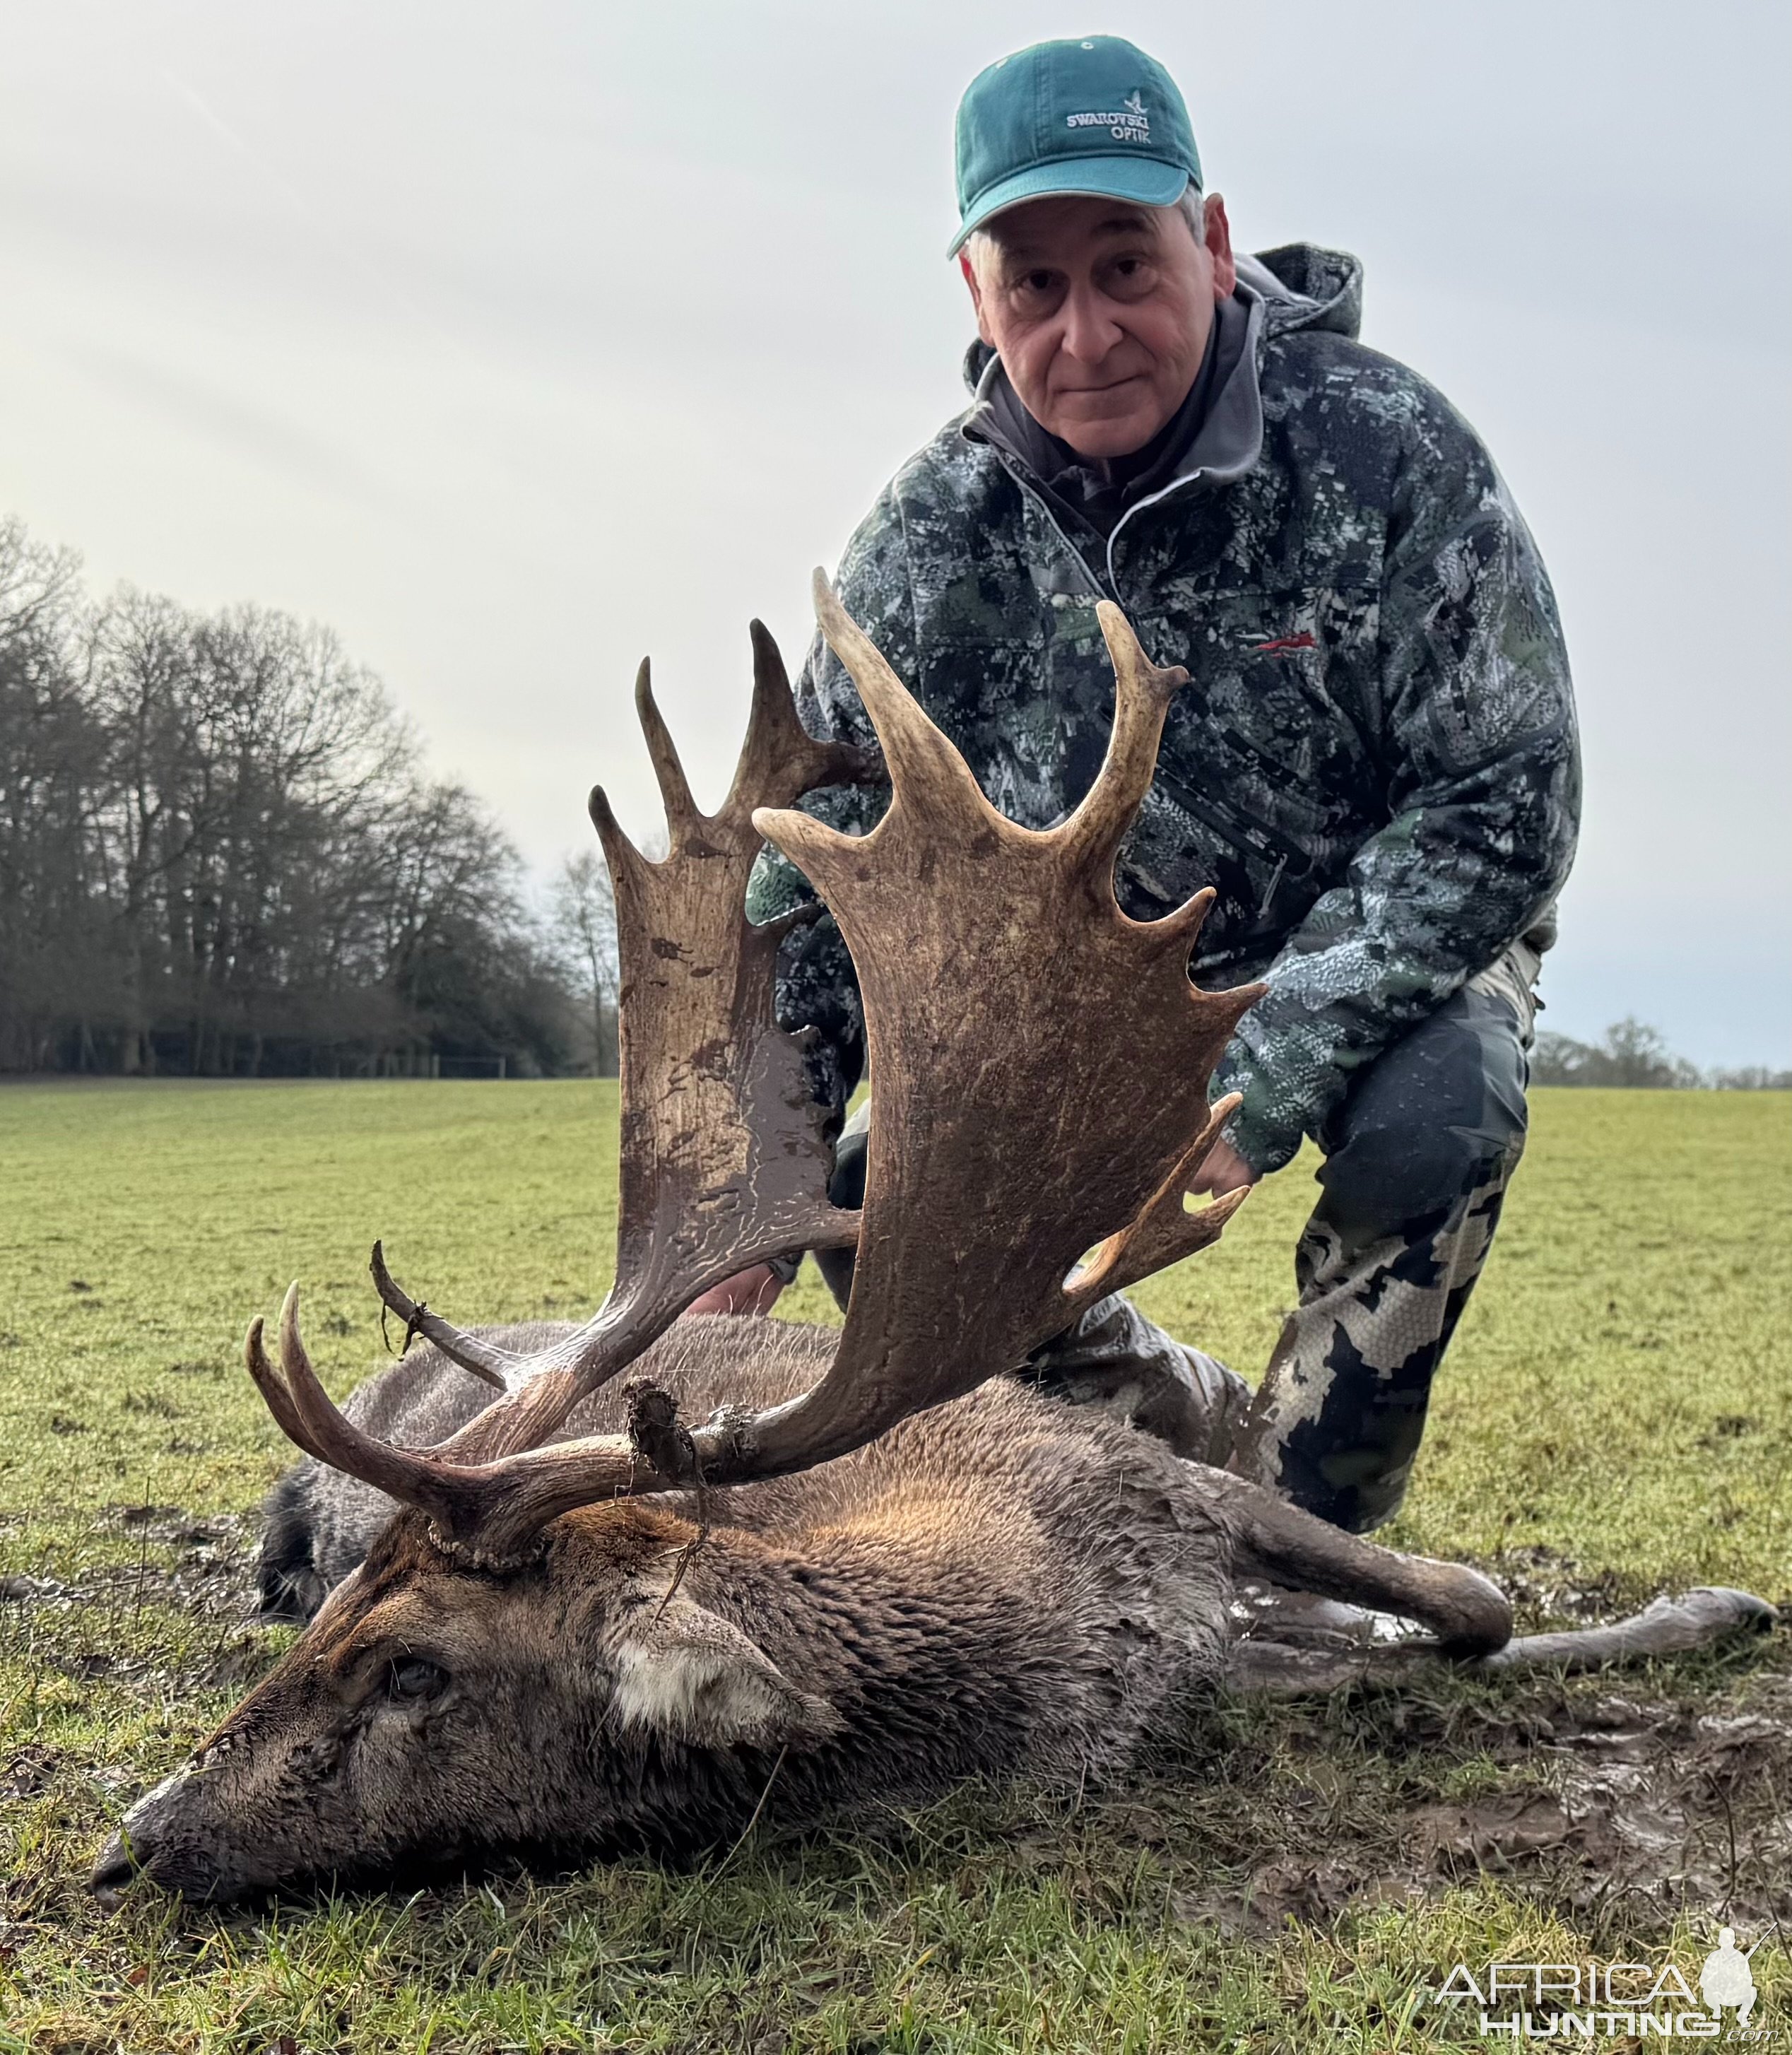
1373	762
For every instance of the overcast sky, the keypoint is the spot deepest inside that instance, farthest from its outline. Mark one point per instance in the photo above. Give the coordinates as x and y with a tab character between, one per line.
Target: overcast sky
516	341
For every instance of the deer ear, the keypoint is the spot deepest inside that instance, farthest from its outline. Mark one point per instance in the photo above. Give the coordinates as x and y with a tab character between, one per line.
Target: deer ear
690	1674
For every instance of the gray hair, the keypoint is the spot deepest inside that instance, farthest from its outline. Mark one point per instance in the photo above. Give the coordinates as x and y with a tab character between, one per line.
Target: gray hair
1191	207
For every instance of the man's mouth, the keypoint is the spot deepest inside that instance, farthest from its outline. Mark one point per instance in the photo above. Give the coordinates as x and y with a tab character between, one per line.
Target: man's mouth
1094	392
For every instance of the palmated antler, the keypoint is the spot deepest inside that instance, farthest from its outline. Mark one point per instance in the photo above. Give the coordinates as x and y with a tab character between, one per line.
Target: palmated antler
724	1159
1042	1064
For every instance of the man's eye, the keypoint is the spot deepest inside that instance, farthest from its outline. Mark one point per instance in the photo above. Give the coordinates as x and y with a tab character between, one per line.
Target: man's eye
415	1678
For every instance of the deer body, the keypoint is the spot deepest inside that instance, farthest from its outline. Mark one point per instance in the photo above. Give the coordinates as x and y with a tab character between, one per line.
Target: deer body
1024	1486
1002	1584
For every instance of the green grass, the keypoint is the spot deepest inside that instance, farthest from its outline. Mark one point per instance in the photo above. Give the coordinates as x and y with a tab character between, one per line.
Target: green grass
1615	1419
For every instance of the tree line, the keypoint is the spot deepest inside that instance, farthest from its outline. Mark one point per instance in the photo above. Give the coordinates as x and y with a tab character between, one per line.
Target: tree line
1633	1055
220	855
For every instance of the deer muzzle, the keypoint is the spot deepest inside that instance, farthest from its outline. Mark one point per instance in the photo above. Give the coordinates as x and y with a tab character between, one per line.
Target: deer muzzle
169	1837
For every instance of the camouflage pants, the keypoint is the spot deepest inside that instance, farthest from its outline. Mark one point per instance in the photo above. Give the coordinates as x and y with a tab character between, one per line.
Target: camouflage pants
1418	1156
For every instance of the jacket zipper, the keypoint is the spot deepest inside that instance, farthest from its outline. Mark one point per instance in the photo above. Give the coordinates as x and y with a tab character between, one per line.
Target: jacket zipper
1231	827
1139	506
1052	522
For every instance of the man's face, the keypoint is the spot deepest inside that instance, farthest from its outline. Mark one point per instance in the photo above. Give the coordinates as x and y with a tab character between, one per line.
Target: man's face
1101	311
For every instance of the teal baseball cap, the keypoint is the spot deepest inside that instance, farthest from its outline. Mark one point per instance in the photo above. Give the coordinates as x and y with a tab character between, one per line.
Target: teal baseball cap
1090	114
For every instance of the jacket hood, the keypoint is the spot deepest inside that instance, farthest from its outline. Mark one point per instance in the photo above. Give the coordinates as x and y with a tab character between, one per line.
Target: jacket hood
1300	286
1303	286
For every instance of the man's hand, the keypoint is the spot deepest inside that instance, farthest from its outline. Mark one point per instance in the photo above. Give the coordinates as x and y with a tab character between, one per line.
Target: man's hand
1223	1170
754	1291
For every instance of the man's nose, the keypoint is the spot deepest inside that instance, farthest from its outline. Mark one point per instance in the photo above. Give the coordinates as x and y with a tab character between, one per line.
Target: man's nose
1090	330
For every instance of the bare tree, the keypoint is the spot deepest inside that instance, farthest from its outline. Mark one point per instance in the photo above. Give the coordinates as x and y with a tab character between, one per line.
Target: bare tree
54	972
582	921
1631	1055
217	854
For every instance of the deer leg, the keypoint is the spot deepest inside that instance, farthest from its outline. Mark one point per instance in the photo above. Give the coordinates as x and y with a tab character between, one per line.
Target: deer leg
1667	1626
1467	1613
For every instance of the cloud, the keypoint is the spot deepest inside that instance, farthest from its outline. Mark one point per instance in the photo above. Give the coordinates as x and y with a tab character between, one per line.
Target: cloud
515	342
280	445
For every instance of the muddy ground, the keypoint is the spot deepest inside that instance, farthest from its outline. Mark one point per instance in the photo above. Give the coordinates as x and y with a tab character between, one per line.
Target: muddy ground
1617	1801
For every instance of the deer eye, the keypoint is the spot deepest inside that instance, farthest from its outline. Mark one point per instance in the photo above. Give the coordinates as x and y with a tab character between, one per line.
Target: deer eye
414	1677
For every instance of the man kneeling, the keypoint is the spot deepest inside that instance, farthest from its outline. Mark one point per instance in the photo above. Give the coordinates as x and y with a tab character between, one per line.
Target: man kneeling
1373	764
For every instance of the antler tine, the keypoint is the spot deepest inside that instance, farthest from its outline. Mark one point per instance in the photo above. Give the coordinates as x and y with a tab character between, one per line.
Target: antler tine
683	818
333	1438
497	1367
779	760
489	1514
1142	693
924	769
273	1389
306	1415
626	862
1166	1229
1177	933
775	739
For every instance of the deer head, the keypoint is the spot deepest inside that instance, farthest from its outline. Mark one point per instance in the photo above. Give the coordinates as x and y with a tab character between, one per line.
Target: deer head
522	1654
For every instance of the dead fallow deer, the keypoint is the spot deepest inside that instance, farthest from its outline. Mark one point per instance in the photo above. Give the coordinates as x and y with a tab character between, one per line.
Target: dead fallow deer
784	1571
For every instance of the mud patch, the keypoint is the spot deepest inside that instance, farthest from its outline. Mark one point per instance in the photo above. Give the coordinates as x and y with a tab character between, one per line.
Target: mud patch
100	1625
1665	1801
27	1771
1310	1889
204	1567
1550	1590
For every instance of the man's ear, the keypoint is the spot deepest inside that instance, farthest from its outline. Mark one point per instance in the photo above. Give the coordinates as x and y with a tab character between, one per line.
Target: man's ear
1219	239
969	272
691	1676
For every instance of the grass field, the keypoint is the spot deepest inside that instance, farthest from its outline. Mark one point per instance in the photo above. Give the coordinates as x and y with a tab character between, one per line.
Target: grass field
1615	1419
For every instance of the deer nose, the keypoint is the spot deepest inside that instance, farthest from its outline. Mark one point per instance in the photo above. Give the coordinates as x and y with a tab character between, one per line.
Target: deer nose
141	1846
115	1865
168	1863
